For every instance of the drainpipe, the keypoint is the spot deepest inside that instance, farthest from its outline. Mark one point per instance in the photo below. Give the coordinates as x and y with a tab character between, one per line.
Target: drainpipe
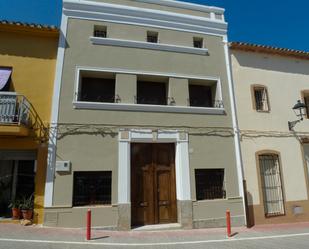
239	162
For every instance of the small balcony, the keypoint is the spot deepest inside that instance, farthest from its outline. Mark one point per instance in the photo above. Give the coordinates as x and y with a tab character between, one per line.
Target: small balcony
19	118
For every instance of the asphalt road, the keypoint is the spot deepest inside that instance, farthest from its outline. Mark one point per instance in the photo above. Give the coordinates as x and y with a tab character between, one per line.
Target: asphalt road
296	241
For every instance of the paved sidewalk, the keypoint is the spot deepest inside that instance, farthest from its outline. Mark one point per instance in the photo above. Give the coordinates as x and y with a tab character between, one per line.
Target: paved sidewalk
266	236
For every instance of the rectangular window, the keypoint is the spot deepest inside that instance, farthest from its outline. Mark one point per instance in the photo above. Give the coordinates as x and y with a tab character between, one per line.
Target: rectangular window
261	99
97	90
209	184
5	78
271	185
100	31
151	93
92	188
200	95
152	37
198	42
306	100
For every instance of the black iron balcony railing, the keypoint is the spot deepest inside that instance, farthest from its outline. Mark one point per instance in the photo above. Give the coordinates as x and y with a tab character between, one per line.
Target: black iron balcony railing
15	109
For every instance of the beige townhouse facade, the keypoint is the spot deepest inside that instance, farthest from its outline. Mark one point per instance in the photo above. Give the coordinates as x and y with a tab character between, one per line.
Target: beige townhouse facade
268	83
143	122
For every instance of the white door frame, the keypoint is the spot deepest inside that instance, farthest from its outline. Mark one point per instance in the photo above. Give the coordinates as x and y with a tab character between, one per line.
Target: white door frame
126	137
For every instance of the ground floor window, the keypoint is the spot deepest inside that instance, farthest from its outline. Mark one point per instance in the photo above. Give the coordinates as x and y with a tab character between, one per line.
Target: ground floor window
92	188
271	184
209	184
16	183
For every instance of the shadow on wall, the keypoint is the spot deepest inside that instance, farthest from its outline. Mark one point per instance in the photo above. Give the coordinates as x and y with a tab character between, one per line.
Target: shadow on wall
272	62
249	206
250	211
28	45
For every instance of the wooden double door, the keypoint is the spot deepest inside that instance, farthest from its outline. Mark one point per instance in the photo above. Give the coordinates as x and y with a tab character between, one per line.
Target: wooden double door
153	184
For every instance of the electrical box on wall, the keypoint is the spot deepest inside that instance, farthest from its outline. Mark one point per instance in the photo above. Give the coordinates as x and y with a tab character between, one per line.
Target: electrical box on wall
63	166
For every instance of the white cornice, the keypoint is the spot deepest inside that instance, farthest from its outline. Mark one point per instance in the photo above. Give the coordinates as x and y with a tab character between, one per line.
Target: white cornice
148	45
143	17
184	5
148	108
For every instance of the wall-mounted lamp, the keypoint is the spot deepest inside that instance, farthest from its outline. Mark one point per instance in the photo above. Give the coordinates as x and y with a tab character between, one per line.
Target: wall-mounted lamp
299	110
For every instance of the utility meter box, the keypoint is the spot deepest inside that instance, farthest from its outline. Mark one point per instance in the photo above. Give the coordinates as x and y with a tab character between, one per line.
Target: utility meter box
63	166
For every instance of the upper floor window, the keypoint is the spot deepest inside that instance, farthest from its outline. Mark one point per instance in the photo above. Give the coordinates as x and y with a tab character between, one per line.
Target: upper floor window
261	101
152	36
100	31
95	89
306	101
200	95
151	93
209	184
198	42
5	78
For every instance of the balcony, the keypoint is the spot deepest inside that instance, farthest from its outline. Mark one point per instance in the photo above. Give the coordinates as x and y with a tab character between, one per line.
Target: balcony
19	118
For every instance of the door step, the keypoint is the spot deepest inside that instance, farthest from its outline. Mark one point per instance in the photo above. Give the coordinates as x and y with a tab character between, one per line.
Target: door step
158	227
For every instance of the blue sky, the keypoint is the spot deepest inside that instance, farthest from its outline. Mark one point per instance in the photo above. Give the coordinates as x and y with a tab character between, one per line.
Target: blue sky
269	22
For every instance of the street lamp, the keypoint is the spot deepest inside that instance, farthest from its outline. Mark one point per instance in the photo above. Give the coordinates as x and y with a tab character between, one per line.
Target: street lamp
299	110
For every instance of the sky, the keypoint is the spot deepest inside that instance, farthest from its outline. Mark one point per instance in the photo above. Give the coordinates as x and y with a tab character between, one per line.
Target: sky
281	23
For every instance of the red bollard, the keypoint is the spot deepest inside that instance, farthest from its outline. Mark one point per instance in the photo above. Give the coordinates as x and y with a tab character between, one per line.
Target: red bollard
88	225
228	223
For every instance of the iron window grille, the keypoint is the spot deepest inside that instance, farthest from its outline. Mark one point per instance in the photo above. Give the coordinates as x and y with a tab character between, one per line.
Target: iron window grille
209	184
92	188
271	185
261	99
100	31
198	42
152	37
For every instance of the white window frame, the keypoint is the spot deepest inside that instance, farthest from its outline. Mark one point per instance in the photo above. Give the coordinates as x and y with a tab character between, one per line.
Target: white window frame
140	107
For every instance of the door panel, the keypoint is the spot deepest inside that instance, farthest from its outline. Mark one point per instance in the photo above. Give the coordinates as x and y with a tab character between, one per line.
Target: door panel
153	186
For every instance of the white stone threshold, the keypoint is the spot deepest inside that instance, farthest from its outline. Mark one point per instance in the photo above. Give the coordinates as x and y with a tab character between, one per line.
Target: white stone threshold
158	227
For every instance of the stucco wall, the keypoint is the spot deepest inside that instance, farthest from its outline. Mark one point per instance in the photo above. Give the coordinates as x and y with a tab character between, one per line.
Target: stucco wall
285	79
33	59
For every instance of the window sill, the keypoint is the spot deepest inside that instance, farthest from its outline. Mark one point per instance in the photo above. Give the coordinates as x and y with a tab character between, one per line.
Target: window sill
147	108
262	111
148	45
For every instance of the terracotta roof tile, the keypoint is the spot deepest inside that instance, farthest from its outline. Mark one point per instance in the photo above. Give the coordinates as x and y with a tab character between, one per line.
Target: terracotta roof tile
269	50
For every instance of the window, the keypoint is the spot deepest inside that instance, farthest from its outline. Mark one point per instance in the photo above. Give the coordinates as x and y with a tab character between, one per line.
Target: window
97	90
306	101
92	188
100	31
261	98
271	184
200	95
152	37
198	42
151	93
209	184
5	78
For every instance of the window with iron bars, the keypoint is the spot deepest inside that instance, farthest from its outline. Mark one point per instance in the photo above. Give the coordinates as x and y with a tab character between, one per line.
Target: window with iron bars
271	184
92	188
152	37
261	99
100	31
209	184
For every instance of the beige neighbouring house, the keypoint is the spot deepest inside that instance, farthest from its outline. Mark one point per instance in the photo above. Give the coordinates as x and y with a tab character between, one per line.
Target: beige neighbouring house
143	122
268	82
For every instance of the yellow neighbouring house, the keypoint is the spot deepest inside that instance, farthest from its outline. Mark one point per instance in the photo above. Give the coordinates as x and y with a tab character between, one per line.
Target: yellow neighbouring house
27	69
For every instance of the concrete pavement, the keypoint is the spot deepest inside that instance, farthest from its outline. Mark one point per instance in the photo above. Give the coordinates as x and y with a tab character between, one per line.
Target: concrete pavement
268	236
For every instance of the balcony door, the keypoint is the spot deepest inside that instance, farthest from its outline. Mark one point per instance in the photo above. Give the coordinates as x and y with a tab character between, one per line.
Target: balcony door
153	184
